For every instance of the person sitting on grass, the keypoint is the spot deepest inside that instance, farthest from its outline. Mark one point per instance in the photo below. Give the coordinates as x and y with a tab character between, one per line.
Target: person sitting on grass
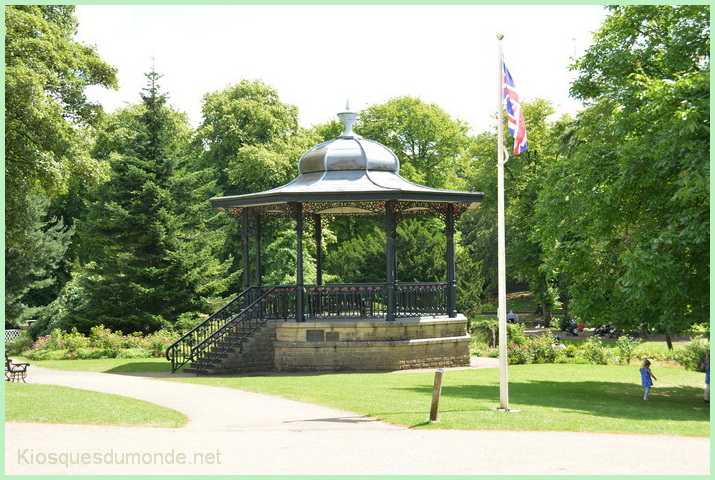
647	378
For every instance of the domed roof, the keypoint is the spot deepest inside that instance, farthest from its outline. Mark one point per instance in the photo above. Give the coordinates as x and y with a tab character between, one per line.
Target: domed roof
349	152
348	175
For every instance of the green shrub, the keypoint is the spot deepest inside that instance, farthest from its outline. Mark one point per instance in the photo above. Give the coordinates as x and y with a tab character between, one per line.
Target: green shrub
101	343
19	345
485	331
516	333
101	337
518	354
569	351
543	348
593	350
46	354
49	342
626	345
74	340
538	349
89	353
692	354
158	342
134	353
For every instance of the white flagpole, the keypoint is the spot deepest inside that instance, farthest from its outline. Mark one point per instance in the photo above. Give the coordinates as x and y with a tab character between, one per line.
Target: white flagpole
501	245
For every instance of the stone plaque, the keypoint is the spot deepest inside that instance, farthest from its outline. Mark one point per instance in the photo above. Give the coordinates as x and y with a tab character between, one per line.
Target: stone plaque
315	335
332	337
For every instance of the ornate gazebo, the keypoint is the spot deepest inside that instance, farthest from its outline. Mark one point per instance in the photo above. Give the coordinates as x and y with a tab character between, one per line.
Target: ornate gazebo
346	176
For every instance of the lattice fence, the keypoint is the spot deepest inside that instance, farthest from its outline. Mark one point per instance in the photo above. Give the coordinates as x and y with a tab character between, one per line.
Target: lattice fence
11	335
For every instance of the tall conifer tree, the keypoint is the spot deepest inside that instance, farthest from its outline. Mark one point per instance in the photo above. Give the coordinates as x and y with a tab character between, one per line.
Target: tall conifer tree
146	265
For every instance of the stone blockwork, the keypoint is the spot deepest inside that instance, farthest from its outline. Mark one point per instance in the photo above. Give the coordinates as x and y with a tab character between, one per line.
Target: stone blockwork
254	355
344	345
347	345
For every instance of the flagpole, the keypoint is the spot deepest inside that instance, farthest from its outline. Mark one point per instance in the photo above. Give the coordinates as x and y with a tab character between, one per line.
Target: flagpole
501	244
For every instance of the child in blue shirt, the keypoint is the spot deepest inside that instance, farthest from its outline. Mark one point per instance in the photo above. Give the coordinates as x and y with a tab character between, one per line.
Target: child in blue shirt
647	378
705	367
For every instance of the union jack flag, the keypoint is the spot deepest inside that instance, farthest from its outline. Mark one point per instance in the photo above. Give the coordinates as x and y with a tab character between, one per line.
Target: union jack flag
515	117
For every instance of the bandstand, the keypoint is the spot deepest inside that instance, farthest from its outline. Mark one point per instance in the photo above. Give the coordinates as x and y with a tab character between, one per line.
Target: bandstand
388	325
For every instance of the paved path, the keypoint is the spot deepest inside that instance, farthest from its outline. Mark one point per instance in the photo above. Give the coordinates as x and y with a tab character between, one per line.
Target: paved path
236	432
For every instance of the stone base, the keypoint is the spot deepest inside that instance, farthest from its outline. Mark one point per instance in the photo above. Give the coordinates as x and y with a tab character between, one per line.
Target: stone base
360	345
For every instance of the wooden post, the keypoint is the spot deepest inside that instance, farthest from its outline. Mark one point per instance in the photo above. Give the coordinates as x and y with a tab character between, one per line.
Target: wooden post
436	394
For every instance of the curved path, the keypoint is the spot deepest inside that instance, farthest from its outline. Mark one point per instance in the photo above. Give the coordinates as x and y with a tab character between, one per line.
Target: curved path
237	432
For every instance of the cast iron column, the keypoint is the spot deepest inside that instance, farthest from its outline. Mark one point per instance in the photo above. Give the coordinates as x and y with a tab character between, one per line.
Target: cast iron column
300	317
318	227
259	270
390	231
451	264
244	235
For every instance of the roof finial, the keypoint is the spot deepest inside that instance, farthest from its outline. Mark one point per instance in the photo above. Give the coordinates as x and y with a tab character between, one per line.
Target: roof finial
348	117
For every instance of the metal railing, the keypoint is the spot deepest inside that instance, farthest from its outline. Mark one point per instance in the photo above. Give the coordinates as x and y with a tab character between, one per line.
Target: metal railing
421	299
230	325
182	351
366	300
273	304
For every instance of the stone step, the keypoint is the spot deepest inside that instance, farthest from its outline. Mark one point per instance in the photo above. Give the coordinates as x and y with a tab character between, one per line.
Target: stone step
249	354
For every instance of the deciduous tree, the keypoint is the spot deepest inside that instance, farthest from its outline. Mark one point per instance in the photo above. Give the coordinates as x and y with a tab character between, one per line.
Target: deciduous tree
627	215
48	119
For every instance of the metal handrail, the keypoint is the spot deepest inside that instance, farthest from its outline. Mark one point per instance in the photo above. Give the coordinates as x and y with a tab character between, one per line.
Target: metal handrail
255	305
413	298
365	300
250	318
181	352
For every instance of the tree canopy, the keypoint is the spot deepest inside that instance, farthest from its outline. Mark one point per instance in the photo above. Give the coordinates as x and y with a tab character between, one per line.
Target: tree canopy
146	266
47	115
607	212
632	231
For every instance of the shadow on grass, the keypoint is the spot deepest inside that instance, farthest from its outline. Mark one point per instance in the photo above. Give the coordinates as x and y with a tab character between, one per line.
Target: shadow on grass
144	368
603	399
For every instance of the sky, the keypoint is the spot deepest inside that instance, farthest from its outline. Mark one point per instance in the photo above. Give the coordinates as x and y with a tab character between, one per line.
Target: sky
318	57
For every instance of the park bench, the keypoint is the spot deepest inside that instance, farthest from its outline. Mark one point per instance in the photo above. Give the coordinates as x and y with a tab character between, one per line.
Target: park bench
15	371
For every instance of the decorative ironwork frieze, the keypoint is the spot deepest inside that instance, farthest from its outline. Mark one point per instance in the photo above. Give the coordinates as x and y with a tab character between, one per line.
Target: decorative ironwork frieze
330	210
435	209
345	208
264	211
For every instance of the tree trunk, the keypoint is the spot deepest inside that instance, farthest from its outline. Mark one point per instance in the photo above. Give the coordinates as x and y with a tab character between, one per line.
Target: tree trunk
547	317
669	341
565	303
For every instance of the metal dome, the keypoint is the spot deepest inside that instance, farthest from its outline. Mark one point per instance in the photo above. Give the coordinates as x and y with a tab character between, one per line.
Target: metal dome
349	152
337	175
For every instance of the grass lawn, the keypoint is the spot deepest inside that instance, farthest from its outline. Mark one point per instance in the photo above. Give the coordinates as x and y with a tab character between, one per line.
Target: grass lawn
596	398
602	398
55	404
105	365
